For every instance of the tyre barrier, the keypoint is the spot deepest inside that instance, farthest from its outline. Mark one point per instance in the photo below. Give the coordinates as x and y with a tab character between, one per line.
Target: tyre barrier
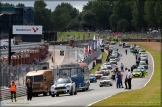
5	93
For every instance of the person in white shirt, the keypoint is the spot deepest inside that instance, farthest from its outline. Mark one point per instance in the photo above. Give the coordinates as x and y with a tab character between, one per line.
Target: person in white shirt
126	80
129	77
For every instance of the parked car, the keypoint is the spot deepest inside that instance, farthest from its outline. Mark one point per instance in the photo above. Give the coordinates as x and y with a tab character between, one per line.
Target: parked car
120	43
138	72
113	61
143	64
98	74
63	86
92	78
112	42
126	45
105	81
131	47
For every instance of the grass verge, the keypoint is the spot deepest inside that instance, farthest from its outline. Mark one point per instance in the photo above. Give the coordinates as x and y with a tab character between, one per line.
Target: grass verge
104	56
150	95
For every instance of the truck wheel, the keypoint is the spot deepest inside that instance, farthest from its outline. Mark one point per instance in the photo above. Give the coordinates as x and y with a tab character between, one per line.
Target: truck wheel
49	92
57	95
44	94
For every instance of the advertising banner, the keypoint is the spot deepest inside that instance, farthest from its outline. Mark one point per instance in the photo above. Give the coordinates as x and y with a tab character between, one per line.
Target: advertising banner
25	29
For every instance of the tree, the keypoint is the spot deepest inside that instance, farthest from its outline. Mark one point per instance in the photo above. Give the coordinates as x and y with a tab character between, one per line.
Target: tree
42	15
123	25
149	13
137	15
6	4
158	12
20	4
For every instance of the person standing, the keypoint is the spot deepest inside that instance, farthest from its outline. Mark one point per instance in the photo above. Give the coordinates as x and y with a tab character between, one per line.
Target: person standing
126	79
29	90
121	82
13	90
118	82
129	79
126	51
122	66
113	75
136	57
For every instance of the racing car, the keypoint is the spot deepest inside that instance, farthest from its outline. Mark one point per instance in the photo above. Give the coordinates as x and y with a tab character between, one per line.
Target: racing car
113	61
120	43
112	42
126	45
138	72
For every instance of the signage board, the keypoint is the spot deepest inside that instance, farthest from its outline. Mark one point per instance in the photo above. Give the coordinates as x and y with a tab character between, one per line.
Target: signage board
25	29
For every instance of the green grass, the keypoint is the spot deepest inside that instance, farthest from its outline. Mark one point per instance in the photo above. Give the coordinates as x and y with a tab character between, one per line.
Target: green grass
104	56
150	95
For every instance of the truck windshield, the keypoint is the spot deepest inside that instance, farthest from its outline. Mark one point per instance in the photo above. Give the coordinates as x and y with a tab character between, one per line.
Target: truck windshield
38	78
73	72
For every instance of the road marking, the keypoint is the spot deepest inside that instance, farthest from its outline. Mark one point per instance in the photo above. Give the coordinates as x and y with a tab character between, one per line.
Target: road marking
130	90
152	71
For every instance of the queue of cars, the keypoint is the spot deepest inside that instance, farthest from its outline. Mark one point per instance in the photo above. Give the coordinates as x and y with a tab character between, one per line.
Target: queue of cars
141	66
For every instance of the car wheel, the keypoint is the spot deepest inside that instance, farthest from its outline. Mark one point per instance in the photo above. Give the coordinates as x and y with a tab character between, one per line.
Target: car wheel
87	88
52	95
100	85
72	92
96	80
44	94
49	93
57	95
75	93
110	84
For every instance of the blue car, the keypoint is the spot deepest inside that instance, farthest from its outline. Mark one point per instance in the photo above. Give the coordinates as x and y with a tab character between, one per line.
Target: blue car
92	78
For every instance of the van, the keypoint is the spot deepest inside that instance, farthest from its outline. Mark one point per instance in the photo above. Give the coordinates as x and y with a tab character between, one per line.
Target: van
42	81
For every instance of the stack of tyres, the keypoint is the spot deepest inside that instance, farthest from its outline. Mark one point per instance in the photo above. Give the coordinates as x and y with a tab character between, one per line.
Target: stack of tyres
18	59
31	55
22	53
5	60
27	56
37	52
14	60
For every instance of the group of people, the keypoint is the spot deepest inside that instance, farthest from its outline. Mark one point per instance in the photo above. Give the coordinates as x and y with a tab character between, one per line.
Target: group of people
28	90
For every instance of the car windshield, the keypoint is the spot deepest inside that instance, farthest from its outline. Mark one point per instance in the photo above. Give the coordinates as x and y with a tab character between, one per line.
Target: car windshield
141	63
104	78
91	75
76	72
103	68
64	73
98	72
63	81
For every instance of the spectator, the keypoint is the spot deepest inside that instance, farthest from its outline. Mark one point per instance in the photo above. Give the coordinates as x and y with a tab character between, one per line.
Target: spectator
129	77
122	66
113	75
126	79
118	80
13	90
121	82
126	51
29	89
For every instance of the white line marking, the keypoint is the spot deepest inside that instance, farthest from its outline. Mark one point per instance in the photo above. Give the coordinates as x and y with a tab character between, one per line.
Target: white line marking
120	92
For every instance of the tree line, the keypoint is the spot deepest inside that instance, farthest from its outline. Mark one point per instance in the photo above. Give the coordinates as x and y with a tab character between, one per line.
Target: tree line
117	15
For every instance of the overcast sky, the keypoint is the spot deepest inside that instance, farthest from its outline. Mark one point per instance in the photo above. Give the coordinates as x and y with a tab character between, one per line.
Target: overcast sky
50	3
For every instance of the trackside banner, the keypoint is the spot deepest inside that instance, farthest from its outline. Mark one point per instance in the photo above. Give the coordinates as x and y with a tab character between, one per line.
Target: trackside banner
25	29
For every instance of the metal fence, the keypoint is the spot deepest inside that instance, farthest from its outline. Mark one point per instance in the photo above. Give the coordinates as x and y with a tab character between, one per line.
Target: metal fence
16	73
90	57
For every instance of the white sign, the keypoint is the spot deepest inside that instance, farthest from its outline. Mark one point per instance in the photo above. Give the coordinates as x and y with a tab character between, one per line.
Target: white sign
25	29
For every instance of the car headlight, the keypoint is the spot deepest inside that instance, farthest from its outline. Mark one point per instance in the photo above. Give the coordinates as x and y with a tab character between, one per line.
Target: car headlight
68	86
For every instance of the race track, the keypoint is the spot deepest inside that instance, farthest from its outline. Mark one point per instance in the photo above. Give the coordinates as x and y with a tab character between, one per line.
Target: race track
94	93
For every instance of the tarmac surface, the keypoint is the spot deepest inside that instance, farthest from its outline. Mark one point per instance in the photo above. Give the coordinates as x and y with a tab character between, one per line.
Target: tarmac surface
95	93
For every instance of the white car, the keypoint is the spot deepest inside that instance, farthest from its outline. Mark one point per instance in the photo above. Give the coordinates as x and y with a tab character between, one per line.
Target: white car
105	81
63	86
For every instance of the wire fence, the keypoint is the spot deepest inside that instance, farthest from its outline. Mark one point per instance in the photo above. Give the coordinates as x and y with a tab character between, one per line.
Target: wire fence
16	73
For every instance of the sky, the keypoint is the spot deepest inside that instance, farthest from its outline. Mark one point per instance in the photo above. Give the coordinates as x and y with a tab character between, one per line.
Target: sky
51	4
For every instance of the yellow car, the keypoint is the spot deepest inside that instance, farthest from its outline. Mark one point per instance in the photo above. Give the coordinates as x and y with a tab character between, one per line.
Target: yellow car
138	73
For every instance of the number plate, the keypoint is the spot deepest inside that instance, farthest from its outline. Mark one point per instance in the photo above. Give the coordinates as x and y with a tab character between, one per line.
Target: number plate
59	90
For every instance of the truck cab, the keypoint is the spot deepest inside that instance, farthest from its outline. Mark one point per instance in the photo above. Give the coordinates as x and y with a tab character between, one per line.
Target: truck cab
41	80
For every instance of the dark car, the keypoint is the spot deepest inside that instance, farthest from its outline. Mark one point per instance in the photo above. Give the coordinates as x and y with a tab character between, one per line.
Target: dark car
92	78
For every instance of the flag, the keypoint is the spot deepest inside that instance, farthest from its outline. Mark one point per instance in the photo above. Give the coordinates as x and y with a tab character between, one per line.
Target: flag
101	42
94	45
76	56
84	50
94	37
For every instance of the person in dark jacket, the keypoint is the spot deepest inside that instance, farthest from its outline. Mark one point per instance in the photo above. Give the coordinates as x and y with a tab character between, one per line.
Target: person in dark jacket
29	90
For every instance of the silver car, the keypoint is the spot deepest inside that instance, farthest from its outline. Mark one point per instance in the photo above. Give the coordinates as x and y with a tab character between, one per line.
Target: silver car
63	86
105	81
